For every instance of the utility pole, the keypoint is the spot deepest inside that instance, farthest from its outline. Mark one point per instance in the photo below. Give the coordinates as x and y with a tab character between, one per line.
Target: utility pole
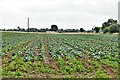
28	25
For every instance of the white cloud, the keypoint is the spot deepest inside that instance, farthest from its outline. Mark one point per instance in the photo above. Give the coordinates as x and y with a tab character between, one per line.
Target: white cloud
64	13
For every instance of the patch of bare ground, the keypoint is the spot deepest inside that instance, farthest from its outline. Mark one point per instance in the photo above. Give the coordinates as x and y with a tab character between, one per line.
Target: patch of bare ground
109	71
48	59
76	33
87	66
0	61
46	75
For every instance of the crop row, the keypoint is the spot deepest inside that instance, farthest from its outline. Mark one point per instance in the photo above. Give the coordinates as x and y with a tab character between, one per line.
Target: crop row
73	55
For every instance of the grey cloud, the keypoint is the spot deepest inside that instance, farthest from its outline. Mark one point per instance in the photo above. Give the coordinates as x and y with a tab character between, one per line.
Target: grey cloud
65	9
64	13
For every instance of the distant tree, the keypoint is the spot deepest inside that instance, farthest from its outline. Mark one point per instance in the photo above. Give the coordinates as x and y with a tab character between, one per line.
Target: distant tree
77	30
89	31
82	30
14	29
47	29
54	28
106	30
105	24
18	28
33	30
42	30
22	29
72	30
3	29
60	30
109	23
97	29
112	24
114	28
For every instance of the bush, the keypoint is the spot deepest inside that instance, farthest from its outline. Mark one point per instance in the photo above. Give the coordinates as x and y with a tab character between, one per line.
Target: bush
106	30
114	28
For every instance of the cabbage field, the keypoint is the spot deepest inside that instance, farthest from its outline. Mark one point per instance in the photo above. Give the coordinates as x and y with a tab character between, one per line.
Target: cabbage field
30	55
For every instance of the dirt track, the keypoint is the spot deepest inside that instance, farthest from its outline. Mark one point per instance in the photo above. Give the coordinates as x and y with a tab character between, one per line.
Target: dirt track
55	32
0	61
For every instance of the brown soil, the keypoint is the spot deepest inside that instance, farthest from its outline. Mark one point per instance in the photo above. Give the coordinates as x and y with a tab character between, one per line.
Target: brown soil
109	70
48	59
0	61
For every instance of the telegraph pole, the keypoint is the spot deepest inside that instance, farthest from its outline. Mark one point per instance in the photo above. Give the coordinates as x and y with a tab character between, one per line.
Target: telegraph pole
28	25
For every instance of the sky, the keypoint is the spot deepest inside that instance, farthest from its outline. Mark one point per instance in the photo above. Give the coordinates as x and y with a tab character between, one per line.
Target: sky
66	14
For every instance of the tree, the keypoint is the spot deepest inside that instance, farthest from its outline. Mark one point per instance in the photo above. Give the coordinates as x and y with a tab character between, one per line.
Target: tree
114	28
111	21
112	24
60	30
54	28
82	30
96	29
18	28
105	24
108	23
106	30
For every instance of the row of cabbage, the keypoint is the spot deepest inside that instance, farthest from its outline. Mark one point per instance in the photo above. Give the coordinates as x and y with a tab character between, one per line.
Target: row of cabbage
25	53
98	49
20	53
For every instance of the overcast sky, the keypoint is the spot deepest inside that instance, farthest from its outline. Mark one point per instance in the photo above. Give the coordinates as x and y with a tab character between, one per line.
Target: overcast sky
64	13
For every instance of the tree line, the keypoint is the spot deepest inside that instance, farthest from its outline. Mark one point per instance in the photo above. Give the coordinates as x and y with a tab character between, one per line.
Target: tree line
54	28
110	26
